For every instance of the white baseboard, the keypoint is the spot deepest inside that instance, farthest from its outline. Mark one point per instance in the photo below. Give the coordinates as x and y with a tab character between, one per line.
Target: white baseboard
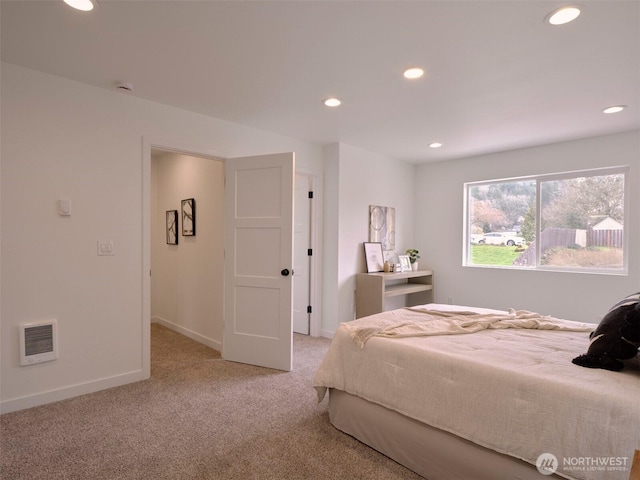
64	393
327	334
216	345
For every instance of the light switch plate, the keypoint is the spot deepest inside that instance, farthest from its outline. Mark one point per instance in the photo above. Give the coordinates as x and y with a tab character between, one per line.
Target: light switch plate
105	248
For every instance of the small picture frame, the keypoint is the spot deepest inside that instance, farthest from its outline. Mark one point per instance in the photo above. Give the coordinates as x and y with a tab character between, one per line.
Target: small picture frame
405	263
172	227
188	217
374	257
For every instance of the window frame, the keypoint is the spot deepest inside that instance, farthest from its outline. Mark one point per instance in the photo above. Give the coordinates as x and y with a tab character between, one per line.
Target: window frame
538	179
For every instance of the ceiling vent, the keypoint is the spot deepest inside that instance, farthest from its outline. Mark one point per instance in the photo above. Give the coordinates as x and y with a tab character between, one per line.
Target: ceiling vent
38	342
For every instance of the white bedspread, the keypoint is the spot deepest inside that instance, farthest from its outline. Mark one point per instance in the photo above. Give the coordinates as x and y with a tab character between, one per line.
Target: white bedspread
512	390
422	321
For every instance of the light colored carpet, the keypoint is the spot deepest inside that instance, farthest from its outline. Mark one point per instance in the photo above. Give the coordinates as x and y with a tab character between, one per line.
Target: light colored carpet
198	417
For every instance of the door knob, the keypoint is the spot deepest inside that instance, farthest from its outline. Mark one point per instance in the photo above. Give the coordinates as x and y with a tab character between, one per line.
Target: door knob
284	272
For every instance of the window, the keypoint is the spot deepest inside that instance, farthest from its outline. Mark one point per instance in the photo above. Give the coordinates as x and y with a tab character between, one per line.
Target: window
569	221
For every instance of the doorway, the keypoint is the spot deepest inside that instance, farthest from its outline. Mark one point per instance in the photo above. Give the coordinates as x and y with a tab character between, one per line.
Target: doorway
211	339
187	269
303	256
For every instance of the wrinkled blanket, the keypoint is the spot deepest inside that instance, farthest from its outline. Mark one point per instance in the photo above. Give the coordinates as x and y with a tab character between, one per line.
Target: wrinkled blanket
512	390
417	322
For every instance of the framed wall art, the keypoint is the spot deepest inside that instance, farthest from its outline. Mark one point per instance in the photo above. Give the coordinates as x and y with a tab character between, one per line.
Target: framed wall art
374	257
188	217
382	228
172	227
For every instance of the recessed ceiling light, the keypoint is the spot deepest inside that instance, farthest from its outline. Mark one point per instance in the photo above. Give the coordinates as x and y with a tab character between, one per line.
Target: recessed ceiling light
414	72
614	109
84	5
563	15
332	102
435	145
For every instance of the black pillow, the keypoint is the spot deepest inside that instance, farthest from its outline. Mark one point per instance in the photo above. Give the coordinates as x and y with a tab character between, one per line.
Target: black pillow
616	338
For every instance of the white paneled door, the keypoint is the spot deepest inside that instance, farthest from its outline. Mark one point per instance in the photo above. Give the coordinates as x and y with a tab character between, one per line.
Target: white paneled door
259	260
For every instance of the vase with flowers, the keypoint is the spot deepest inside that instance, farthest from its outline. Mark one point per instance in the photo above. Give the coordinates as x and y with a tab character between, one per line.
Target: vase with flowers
414	255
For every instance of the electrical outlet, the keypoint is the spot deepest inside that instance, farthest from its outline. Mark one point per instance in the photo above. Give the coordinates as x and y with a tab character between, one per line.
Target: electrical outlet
450	300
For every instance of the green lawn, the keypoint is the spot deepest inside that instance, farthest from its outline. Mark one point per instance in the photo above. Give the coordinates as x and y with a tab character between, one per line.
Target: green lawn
493	255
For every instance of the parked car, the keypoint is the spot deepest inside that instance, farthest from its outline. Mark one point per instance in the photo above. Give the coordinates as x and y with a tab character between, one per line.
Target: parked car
476	237
501	238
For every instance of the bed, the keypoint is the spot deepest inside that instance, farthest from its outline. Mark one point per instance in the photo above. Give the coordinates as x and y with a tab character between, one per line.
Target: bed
499	400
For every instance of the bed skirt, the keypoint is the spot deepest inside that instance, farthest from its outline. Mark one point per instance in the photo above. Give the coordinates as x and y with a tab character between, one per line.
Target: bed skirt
430	452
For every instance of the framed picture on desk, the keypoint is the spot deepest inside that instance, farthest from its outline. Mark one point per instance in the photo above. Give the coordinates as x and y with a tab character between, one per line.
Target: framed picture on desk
405	263
373	256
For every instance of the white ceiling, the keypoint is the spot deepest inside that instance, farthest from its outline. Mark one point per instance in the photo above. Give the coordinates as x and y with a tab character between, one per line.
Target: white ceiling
497	77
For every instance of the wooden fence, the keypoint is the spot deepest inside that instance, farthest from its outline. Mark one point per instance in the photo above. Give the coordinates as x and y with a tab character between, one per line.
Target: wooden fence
549	238
605	238
565	237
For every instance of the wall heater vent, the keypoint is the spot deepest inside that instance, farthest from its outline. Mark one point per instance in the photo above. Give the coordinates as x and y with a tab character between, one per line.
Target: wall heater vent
38	342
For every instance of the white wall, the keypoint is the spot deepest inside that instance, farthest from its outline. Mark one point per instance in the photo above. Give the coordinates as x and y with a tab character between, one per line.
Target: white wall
439	224
64	139
331	239
187	279
354	180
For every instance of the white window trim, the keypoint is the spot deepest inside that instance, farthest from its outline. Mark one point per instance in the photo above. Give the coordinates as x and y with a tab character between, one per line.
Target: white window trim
620	169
